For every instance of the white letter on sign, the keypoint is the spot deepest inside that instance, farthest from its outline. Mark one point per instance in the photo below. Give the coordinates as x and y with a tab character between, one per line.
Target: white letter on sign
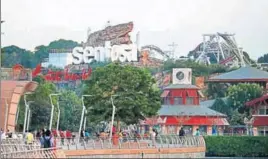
77	55
124	53
89	54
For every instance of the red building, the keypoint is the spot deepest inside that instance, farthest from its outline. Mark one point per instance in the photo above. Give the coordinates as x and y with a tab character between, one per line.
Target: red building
181	107
258	106
259	110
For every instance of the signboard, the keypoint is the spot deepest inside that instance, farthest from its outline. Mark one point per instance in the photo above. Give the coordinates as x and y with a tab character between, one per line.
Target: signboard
123	53
112	42
62	75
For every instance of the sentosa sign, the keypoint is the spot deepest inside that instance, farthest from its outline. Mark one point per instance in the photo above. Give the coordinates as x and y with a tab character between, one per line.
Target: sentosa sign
123	53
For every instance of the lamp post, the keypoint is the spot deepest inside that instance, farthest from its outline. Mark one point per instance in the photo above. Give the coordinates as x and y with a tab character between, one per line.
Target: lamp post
29	114
85	119
6	115
58	121
52	110
82	115
112	123
26	111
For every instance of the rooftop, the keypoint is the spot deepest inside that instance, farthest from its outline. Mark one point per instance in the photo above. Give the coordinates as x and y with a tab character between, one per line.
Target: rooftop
209	103
191	110
181	86
242	74
257	100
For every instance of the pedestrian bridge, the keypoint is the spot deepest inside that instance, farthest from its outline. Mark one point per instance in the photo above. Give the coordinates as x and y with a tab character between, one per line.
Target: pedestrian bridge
171	146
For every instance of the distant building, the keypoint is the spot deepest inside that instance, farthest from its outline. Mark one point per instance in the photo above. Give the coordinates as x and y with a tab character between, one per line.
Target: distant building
258	124
59	58
181	108
259	110
242	75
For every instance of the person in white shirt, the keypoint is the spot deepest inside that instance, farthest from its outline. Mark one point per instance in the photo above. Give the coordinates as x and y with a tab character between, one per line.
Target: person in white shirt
153	135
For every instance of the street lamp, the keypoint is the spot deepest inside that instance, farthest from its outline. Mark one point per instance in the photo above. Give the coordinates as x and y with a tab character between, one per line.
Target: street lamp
83	114
112	124
113	113
29	114
26	110
6	115
52	110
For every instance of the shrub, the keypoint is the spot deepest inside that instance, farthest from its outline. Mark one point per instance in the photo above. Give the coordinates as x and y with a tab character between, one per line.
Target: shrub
237	146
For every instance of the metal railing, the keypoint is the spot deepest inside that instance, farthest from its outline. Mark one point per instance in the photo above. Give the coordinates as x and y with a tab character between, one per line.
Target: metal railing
17	148
37	153
162	141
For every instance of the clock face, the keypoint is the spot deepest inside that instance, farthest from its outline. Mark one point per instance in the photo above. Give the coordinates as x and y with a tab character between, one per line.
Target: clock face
180	75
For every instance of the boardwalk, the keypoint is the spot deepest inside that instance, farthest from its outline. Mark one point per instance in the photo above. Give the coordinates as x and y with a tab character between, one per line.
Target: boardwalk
14	148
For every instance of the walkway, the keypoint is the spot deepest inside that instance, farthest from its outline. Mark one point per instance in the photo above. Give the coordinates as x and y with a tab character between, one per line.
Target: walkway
11	148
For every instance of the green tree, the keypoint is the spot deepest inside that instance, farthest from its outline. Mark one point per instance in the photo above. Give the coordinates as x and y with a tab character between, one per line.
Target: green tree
40	107
137	98
221	106
42	51
243	92
198	69
71	109
238	95
14	55
216	90
263	59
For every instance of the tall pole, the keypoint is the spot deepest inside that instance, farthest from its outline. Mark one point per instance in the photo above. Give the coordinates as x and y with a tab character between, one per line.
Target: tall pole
58	121
173	48
112	123
28	122
26	112
83	115
52	110
85	120
6	115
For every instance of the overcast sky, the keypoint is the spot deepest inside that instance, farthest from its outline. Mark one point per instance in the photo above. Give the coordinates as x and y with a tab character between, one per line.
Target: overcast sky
30	23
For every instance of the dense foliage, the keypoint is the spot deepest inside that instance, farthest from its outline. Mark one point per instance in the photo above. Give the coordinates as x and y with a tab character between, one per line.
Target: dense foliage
234	105
198	69
263	59
70	106
243	92
237	146
137	96
12	55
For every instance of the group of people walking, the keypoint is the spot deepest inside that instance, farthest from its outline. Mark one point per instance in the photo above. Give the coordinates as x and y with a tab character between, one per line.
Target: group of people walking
182	132
44	136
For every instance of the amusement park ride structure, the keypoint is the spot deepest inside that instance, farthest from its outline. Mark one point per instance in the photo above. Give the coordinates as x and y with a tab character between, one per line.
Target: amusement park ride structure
223	48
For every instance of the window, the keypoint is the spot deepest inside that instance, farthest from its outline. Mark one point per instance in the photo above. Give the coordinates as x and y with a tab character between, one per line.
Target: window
167	100
263	110
263	131
177	100
189	100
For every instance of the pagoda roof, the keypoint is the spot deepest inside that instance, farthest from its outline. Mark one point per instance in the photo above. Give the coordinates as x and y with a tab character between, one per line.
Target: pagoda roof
209	103
187	110
181	86
257	100
242	74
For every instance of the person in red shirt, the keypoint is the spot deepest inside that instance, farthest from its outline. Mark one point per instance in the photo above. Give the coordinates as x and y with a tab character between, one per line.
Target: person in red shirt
69	136
62	136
